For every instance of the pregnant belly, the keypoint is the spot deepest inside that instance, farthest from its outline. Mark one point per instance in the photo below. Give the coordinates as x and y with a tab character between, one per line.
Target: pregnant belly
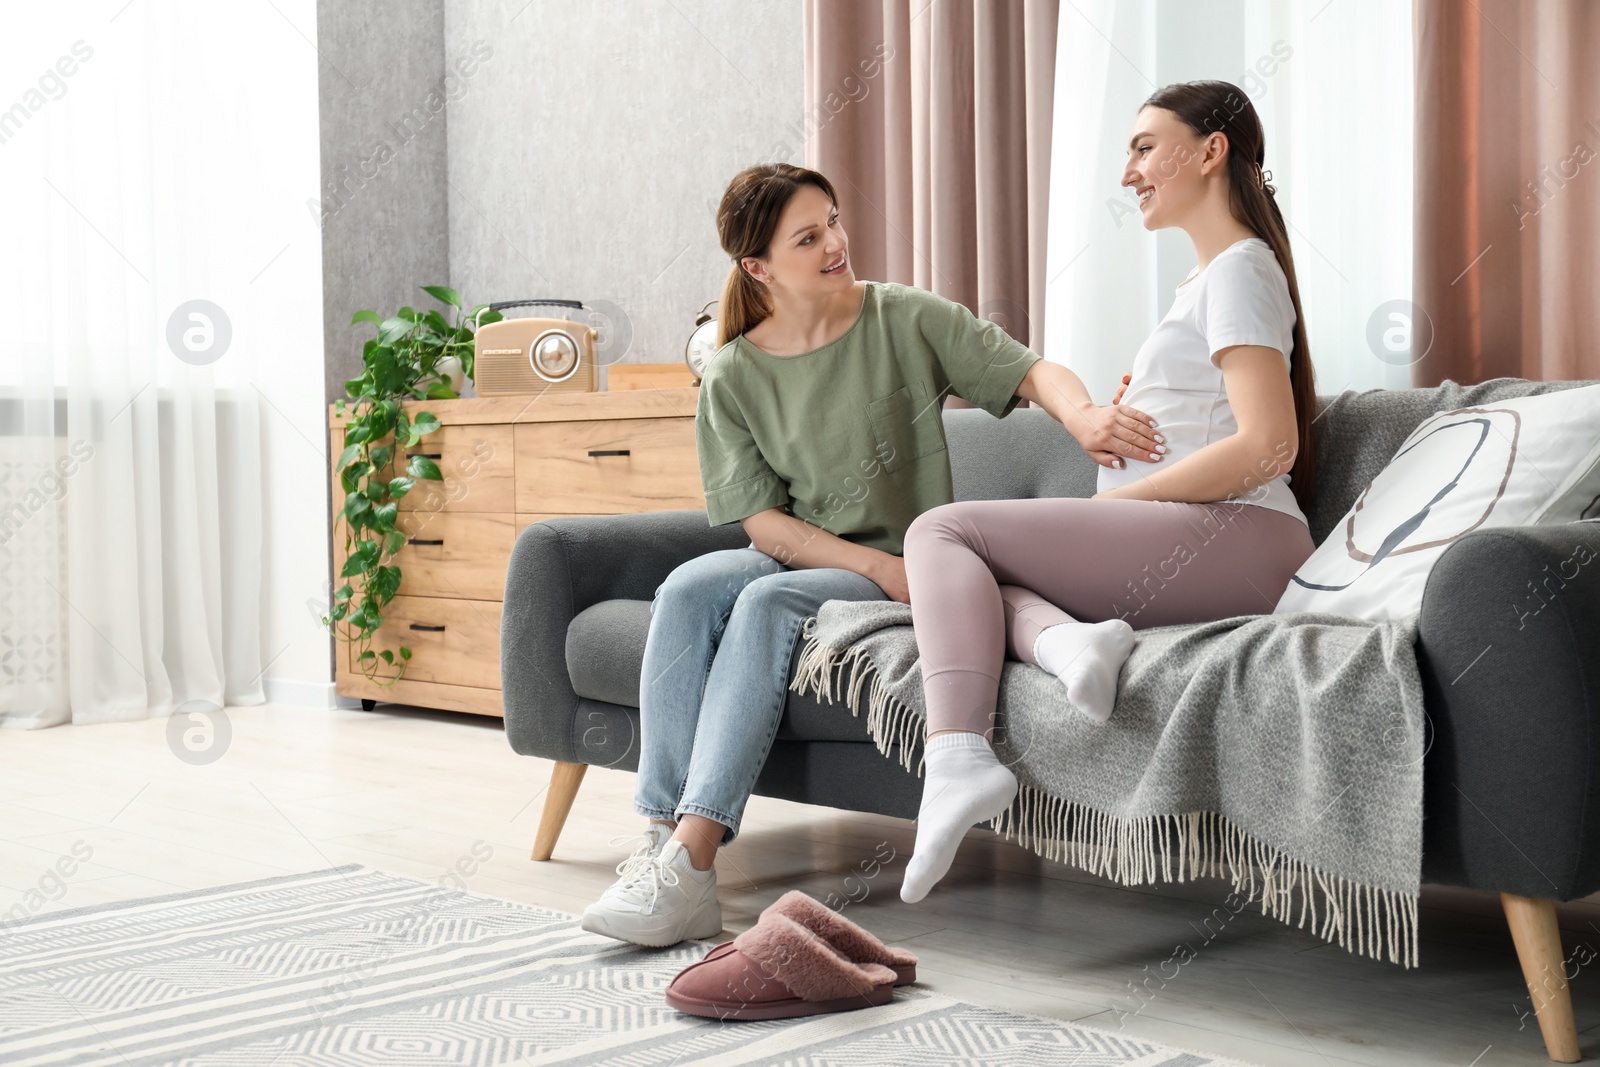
1185	420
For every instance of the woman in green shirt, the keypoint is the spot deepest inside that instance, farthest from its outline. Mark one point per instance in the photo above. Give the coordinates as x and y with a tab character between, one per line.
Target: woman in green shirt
819	428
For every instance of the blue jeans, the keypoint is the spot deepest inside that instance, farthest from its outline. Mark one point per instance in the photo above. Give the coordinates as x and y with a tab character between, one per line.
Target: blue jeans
715	680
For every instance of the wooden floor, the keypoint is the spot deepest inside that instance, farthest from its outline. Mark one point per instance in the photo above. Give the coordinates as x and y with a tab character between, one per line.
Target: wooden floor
420	792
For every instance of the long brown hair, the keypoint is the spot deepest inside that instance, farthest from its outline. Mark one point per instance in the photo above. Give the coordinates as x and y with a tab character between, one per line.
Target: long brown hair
747	219
1208	107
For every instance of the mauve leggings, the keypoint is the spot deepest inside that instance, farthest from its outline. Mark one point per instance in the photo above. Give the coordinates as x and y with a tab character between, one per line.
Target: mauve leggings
986	576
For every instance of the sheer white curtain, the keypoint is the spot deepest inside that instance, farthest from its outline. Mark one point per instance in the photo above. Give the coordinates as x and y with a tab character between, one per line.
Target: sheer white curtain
1332	83
139	170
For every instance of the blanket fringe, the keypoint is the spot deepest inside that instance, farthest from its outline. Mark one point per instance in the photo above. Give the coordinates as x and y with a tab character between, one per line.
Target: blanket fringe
1362	919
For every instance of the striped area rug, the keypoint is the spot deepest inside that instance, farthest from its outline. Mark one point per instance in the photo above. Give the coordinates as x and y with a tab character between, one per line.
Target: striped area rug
353	966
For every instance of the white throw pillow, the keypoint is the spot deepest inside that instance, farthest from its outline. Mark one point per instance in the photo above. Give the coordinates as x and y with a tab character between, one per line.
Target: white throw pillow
1530	461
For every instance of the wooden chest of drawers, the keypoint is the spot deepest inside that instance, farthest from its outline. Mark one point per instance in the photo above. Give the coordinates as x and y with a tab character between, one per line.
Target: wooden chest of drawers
507	462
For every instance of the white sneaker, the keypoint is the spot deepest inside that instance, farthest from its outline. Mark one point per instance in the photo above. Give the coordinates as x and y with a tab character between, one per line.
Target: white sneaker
659	901
655	835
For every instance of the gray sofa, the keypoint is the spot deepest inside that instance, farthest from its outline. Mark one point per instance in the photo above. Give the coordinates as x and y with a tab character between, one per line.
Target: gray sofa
1513	710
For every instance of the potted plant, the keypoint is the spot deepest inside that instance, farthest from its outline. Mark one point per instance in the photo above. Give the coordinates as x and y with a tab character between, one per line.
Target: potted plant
414	356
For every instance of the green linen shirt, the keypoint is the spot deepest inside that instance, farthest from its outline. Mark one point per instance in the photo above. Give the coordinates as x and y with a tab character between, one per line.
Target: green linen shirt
850	436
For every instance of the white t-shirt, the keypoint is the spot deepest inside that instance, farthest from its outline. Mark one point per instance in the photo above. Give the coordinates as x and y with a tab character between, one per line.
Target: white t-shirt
1241	298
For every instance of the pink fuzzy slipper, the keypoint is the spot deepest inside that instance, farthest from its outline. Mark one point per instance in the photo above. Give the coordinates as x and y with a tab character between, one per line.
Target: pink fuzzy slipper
778	969
851	940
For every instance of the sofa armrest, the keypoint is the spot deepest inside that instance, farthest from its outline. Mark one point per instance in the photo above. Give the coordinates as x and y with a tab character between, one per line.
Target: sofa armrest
1508	645
558	568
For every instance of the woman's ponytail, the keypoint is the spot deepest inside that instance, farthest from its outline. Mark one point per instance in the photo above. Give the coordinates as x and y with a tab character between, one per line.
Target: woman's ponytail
744	303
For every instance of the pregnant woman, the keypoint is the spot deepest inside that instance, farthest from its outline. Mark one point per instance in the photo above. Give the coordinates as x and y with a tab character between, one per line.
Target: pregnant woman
819	430
1203	527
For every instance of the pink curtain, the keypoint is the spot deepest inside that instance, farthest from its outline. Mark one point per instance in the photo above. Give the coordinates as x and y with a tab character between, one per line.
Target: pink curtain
932	120
1507	215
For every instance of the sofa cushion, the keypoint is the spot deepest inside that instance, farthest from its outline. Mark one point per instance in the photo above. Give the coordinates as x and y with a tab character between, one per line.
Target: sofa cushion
1523	461
605	657
605	649
1026	454
1358	433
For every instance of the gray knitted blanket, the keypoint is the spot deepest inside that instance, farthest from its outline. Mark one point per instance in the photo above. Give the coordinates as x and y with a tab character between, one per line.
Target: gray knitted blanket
1281	751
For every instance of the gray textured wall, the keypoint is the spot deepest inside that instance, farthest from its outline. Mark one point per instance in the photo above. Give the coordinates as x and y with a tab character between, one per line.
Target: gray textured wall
382	206
384	210
589	151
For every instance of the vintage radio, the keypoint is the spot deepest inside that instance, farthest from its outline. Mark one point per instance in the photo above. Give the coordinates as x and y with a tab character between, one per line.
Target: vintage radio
521	357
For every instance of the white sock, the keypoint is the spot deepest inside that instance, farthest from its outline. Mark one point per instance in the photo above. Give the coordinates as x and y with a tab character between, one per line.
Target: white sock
1086	657
964	783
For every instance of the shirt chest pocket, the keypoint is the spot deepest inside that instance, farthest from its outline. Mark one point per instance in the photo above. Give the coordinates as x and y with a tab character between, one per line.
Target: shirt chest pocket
906	425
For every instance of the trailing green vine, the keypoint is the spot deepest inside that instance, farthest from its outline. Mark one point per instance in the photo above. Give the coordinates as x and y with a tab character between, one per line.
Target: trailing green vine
401	363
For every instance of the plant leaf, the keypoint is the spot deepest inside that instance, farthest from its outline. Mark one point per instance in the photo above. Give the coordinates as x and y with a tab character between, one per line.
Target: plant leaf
356	507
366	316
444	294
388	581
393	329
423	467
351	476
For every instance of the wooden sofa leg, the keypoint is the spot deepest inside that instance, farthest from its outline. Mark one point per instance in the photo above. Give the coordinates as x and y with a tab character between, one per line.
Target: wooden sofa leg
564	782
1538	941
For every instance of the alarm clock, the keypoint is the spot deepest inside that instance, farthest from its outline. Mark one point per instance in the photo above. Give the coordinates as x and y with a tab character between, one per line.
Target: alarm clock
518	357
702	344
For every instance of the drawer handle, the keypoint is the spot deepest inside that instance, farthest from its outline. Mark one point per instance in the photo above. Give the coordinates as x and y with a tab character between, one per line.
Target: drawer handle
420	541
419	626
609	451
426	455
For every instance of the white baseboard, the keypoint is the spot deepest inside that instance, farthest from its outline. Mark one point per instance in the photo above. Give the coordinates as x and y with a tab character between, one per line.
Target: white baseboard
305	694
